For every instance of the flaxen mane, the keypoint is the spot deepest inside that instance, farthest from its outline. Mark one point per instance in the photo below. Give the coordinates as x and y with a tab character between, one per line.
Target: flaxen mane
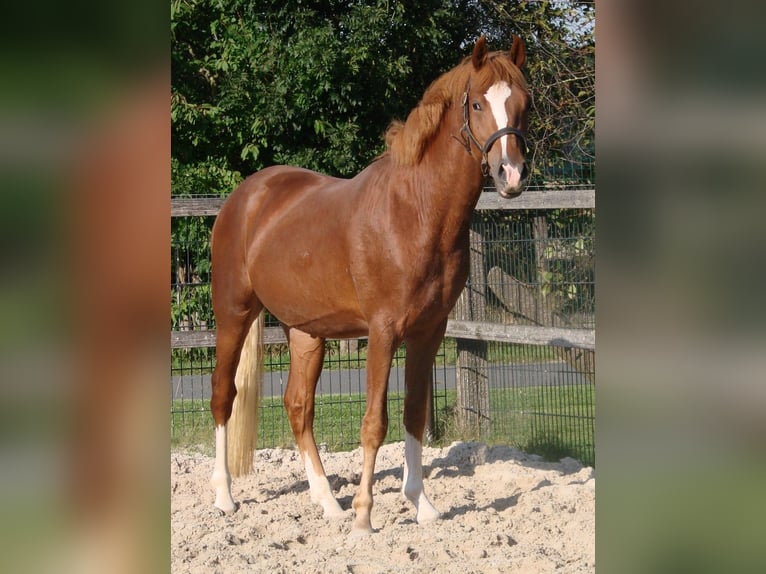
408	141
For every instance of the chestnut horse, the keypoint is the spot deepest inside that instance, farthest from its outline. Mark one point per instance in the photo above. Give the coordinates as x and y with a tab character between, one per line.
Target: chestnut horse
382	255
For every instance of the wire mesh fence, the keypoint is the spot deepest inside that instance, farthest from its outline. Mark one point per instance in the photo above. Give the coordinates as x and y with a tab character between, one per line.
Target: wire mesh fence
537	401
561	172
532	267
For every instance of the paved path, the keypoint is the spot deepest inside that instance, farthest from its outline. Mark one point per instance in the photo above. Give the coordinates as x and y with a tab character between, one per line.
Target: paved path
345	381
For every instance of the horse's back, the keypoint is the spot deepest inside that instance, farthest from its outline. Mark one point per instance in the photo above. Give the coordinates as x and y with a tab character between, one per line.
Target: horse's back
269	195
273	188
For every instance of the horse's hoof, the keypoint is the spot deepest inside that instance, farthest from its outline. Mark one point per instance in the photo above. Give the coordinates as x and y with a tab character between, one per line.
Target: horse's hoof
227	510
428	518
427	515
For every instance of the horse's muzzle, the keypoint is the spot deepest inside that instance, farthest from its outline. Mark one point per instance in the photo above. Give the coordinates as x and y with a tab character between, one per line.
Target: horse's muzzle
510	181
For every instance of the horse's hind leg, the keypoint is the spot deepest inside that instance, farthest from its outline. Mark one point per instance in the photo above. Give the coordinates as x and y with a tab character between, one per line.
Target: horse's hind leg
418	375
233	324
306	356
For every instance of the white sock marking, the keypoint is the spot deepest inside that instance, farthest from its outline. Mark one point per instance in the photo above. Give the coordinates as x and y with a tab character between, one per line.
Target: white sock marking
221	479
412	483
321	492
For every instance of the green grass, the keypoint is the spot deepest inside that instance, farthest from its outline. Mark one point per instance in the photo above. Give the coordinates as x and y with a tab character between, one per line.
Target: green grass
553	422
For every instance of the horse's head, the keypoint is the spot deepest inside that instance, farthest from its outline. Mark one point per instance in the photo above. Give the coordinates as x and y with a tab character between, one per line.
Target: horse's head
495	106
491	93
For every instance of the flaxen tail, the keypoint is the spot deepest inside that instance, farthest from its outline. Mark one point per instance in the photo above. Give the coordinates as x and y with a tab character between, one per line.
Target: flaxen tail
242	428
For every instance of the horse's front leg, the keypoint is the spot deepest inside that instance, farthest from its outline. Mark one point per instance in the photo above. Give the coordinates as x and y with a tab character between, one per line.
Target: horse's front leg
380	350
418	375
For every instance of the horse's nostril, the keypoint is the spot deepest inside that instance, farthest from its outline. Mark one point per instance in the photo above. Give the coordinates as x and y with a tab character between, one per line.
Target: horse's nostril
524	171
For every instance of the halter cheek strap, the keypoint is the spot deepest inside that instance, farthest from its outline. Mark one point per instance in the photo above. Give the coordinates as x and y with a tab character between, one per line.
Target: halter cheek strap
484	149
466	129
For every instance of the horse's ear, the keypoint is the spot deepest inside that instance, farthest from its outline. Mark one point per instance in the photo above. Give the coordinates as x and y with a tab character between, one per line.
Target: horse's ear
479	55
518	52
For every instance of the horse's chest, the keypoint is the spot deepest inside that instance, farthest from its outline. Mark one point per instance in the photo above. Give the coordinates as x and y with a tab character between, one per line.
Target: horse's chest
437	291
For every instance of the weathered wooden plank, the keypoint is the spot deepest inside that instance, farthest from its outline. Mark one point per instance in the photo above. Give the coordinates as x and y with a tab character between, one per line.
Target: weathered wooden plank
472	374
189	206
522	334
192	339
472	388
553	199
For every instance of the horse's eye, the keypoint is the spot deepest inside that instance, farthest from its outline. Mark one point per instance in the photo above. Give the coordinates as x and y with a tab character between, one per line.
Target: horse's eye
477	106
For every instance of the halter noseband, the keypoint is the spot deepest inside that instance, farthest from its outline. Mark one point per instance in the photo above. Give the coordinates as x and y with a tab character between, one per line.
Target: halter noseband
484	149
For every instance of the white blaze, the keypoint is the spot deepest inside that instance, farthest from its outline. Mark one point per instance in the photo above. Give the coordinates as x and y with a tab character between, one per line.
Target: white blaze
496	95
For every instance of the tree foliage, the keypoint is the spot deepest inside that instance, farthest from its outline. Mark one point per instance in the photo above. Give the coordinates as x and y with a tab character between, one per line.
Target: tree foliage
314	84
261	82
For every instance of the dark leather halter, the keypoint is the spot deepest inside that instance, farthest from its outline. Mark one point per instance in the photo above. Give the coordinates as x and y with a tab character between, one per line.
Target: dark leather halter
484	149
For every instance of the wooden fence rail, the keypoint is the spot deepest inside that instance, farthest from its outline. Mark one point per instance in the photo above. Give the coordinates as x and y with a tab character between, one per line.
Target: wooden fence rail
554	199
471	330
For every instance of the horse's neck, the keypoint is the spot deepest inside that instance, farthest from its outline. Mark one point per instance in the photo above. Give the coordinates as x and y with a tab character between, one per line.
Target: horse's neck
450	180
